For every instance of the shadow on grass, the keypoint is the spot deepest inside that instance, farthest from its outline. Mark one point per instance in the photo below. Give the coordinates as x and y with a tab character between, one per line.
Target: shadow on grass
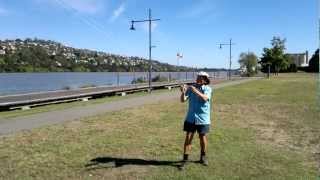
111	162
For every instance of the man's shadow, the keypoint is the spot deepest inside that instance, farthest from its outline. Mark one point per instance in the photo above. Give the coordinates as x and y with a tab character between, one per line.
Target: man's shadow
112	162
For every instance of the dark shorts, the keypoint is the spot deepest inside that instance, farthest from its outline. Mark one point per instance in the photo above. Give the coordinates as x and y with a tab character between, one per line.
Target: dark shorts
201	129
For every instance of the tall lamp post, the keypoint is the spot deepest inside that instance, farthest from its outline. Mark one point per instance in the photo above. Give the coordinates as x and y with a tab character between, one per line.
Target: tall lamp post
179	56
149	20
319	62
269	64
230	44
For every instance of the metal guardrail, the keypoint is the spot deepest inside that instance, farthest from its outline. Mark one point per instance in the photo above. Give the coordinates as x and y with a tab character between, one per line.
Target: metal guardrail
25	101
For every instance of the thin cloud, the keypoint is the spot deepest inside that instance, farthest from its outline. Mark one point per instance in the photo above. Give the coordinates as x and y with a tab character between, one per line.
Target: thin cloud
81	6
200	9
86	19
117	12
3	11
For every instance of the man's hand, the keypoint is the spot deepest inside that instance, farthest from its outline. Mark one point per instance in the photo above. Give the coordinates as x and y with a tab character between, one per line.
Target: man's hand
198	93
183	88
193	89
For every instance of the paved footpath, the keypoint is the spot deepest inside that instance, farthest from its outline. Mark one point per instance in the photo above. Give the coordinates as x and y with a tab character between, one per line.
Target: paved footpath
12	125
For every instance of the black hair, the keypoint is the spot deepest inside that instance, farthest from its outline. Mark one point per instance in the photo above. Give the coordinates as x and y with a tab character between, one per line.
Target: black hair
206	79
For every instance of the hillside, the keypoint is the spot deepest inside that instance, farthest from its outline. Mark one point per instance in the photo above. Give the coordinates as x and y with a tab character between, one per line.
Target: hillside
37	55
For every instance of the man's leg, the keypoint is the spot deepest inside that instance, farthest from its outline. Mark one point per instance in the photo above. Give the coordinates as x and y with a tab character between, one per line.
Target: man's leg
204	146
187	145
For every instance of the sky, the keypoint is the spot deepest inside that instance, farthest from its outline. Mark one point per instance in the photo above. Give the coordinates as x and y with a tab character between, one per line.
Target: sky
193	28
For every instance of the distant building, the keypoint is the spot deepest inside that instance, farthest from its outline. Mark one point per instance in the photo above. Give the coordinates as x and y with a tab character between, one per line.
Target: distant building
58	64
53	53
243	69
2	52
300	59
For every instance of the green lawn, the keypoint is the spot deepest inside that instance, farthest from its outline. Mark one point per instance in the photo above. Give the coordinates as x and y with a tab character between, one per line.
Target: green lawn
265	129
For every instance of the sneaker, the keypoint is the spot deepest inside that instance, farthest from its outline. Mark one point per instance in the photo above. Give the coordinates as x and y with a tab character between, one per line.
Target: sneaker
185	157
204	160
182	165
183	162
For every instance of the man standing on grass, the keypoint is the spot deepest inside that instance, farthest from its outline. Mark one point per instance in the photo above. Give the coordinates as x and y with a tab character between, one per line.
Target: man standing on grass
198	116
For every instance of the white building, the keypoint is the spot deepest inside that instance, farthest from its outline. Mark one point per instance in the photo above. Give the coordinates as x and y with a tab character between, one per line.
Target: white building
300	59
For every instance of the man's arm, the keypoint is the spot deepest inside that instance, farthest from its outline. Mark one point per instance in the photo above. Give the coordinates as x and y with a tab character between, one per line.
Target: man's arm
204	97
183	96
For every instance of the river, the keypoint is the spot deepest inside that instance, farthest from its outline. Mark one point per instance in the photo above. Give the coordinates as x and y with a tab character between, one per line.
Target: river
17	83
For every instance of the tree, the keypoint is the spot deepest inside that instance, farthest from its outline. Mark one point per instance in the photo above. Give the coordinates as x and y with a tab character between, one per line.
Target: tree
11	63
314	62
2	64
275	56
248	62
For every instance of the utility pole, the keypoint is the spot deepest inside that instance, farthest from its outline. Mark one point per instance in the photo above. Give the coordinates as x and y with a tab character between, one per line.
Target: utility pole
179	56
230	44
149	20
318	100
319	43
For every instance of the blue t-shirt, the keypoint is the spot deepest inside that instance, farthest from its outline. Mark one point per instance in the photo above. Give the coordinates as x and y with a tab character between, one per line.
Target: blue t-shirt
199	110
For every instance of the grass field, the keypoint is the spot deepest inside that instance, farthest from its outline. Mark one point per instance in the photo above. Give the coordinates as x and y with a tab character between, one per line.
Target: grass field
265	129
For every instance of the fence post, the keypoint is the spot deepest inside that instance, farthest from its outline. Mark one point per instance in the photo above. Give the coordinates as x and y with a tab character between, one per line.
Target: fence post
118	78
134	75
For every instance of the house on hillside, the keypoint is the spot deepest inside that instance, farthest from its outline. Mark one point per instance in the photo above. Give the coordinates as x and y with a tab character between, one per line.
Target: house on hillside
2	52
300	59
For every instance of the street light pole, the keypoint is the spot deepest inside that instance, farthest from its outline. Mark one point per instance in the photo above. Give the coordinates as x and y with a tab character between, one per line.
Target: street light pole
149	20
230	56
230	44
318	61
268	70
150	51
319	41
179	56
